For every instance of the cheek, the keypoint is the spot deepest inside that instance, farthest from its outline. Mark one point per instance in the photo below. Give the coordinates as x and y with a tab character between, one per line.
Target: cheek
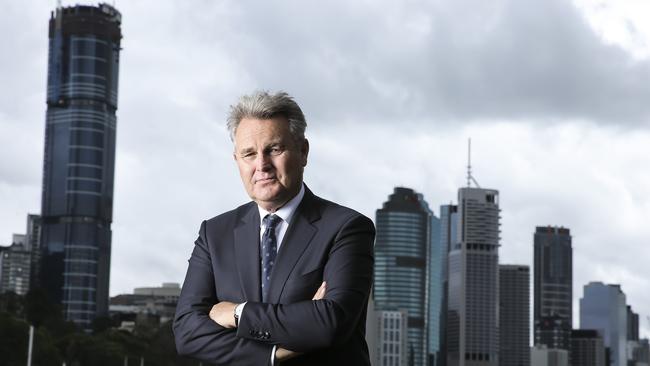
245	173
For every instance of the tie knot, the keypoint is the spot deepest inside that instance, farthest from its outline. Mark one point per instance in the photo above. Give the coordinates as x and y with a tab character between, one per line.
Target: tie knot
271	221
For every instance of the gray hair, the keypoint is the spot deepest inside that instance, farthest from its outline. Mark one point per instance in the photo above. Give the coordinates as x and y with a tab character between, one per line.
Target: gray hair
263	105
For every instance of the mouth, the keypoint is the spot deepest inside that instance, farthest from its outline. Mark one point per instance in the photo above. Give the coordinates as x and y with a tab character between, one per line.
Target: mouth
264	180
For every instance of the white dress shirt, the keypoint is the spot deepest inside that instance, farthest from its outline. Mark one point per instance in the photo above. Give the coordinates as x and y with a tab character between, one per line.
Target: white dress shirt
286	214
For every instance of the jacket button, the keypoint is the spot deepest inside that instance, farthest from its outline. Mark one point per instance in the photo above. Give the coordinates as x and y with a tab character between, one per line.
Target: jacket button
267	335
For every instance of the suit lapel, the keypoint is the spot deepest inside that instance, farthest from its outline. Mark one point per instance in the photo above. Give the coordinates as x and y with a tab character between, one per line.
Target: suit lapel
296	240
247	252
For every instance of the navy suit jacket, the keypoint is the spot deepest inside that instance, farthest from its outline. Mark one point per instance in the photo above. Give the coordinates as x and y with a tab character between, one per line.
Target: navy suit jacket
324	242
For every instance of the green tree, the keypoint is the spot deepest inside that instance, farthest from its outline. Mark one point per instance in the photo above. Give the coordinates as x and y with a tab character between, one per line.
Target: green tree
13	340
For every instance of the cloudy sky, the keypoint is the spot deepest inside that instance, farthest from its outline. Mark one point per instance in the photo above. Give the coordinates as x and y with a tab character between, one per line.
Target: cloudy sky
555	95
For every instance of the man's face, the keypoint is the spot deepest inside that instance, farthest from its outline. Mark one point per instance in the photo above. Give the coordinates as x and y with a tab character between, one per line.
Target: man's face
270	161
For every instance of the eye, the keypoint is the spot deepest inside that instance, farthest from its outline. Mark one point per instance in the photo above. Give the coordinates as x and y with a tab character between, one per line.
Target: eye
249	155
276	150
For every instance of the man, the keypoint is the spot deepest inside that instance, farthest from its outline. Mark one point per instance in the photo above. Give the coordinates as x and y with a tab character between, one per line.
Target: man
284	278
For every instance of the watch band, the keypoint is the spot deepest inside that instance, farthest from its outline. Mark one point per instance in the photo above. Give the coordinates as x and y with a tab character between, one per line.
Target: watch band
236	315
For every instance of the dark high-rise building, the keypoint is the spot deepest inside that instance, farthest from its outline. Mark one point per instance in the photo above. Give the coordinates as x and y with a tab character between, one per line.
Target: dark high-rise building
587	348
472	313
401	249
553	284
33	244
514	315
632	325
77	201
553	332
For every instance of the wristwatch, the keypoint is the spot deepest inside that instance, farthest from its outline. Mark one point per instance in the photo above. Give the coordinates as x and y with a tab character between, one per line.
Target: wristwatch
237	313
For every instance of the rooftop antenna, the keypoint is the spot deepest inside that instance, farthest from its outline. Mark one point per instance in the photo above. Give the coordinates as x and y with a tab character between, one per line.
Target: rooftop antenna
470	178
58	4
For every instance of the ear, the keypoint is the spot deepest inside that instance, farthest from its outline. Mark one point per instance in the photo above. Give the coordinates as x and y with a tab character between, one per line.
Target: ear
304	151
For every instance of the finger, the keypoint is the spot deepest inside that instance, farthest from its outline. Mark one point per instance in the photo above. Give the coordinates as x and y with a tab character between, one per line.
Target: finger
320	293
317	294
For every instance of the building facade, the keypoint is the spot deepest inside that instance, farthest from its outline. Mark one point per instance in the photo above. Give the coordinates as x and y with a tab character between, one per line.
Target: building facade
436	265
542	356
15	264
79	159
33	244
19	261
587	348
153	302
553	331
473	289
401	251
448	237
514	315
553	286
392	340
603	308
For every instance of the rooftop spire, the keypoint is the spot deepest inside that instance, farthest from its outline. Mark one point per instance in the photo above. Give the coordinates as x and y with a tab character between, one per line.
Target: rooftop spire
470	178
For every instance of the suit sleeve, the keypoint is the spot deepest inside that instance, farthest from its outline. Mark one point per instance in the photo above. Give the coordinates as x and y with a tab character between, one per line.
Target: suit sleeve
196	335
310	325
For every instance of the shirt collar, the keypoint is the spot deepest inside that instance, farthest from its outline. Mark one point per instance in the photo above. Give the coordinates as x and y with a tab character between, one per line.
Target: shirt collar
285	212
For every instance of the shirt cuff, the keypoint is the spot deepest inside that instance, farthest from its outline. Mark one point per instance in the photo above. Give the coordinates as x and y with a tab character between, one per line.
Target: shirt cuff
273	355
238	311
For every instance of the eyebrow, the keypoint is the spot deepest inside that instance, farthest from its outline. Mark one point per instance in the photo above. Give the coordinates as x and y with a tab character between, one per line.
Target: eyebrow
269	145
246	150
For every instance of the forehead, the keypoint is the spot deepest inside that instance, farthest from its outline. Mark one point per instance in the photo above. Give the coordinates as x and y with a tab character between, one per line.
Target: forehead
253	131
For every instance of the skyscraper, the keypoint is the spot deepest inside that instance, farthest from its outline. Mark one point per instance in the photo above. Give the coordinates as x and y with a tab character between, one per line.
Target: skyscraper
603	308
514	313
553	287
447	237
77	201
401	249
472	325
435	269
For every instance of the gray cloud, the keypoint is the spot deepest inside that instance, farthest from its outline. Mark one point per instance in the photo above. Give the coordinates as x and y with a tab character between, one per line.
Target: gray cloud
423	61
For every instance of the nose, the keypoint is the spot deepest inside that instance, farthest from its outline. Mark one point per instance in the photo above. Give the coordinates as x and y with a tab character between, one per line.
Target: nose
263	162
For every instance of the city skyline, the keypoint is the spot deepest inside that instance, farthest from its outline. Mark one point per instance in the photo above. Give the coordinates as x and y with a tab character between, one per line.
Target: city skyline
553	165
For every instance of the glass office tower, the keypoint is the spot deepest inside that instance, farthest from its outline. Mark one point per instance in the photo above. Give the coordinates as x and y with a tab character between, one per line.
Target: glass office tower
77	196
401	250
438	267
553	287
473	287
603	308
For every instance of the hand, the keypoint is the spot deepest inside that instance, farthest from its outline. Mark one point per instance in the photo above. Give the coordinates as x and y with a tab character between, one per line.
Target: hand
283	354
320	293
223	314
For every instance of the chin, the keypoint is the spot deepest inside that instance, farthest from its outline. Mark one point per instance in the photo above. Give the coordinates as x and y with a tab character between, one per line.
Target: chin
270	196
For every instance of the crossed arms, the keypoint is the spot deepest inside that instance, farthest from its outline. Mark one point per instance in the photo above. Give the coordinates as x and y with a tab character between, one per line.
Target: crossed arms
311	323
